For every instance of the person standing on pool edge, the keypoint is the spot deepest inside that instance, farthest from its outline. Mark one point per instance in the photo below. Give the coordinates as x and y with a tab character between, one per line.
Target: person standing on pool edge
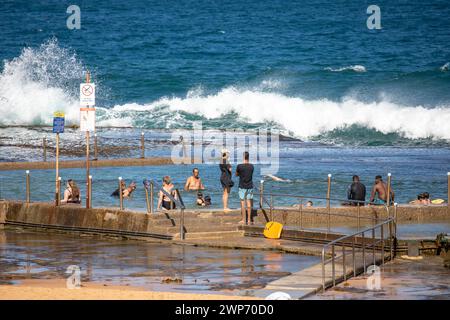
245	173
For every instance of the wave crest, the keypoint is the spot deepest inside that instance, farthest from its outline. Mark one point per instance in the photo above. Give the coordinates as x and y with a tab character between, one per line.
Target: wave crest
355	68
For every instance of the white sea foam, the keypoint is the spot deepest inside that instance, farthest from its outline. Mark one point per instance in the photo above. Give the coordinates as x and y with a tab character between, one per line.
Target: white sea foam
38	82
445	67
307	118
34	85
355	68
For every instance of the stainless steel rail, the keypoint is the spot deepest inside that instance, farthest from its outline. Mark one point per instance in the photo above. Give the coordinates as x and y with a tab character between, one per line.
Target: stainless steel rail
366	246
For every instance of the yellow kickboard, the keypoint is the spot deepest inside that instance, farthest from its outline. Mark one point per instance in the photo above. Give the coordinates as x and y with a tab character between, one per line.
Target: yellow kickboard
273	230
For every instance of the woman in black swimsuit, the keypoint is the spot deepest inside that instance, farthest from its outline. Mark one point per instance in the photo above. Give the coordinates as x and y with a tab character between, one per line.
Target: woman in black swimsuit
72	193
225	180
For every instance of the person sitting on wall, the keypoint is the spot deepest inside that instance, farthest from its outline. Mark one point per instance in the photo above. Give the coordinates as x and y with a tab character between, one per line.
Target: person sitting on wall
72	193
356	192
378	195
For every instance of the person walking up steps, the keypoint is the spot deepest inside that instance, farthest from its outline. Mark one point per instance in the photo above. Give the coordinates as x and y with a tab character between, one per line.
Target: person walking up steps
245	173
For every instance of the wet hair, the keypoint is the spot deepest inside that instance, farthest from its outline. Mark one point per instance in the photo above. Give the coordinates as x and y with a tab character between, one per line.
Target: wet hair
426	195
355	178
193	170
246	155
167	180
75	189
379	178
420	196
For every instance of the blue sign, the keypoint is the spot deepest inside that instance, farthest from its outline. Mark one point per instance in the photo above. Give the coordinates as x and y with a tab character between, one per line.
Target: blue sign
58	125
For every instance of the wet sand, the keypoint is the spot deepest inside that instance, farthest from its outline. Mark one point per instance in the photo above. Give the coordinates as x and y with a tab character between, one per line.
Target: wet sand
56	290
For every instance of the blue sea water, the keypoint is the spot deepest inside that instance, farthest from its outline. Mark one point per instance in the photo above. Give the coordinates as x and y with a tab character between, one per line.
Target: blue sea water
366	101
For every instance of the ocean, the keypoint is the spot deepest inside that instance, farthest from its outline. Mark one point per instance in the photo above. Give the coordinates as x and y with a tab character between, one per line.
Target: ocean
356	101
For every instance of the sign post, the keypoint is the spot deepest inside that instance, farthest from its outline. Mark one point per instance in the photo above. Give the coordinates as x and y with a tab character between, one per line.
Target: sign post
87	122
58	127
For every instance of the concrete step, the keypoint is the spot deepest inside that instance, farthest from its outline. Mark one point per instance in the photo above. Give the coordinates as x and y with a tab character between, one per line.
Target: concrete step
193	228
208	235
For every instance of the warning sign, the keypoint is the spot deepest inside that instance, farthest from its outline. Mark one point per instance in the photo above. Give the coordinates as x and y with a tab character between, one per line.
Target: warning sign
87	119
87	94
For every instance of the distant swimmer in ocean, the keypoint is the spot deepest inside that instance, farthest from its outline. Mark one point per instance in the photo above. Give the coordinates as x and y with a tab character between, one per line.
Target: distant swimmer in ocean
378	195
275	178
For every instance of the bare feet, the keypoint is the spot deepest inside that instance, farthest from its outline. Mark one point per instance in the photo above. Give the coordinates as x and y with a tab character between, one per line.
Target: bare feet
227	210
241	222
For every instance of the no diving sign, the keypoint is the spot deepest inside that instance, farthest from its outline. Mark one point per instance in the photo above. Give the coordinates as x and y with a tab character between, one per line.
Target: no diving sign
87	94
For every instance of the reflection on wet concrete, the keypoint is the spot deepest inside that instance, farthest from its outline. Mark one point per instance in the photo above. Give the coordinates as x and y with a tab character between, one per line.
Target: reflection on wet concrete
28	254
405	231
402	279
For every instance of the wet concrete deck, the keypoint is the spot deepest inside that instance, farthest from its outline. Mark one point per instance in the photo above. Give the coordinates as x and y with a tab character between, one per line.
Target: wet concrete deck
400	279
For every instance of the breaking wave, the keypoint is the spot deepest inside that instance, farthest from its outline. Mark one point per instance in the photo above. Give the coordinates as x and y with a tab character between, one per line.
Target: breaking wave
44	79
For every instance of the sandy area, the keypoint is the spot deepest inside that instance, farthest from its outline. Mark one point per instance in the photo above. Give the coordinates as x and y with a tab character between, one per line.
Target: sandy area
57	290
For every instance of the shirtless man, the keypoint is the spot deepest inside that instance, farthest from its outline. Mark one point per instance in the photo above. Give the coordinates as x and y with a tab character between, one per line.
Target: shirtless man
194	182
378	195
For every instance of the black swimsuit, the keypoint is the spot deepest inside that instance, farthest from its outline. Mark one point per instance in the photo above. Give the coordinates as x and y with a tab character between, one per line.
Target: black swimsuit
225	178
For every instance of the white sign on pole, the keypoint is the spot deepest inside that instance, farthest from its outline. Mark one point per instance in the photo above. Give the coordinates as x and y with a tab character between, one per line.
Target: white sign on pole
87	119
87	94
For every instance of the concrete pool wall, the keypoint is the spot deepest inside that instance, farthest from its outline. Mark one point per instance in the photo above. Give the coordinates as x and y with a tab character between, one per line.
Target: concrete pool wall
202	222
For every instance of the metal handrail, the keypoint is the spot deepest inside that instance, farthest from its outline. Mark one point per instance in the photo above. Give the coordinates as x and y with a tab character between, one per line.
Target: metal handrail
329	214
374	243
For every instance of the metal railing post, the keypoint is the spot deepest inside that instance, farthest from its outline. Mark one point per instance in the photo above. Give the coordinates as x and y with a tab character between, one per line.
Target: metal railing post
58	195
382	244
142	145
389	190
120	193
333	273
373	246
147	201
90	191
395	220
391	240
363	243
328	190
27	186
353	256
261	193
344	270
182	235
152	206
323	269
